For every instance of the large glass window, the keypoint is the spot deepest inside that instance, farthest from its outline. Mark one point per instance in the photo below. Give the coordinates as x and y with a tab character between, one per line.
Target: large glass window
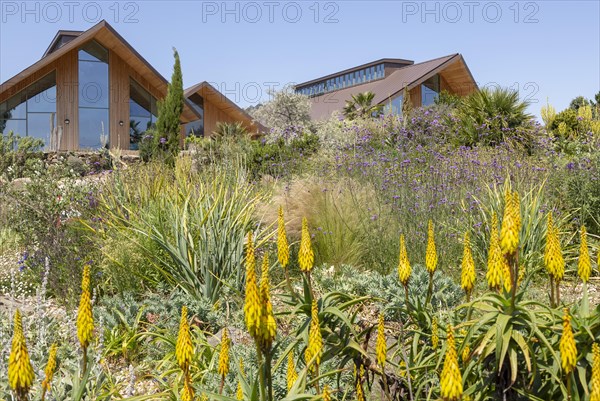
32	112
93	96
142	113
196	128
394	106
430	90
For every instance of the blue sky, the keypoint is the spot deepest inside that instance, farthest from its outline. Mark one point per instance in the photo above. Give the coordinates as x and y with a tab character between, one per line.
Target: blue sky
545	49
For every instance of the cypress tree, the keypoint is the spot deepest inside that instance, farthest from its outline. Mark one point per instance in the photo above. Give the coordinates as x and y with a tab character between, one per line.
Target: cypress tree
170	109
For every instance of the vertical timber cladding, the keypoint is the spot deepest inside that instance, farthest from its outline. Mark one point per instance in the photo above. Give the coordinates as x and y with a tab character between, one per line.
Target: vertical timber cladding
67	98
214	115
120	73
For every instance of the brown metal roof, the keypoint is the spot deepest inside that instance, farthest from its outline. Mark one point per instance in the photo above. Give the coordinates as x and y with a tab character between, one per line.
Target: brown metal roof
359	67
410	76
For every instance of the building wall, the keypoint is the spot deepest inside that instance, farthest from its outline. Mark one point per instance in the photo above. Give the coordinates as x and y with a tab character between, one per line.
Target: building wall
214	115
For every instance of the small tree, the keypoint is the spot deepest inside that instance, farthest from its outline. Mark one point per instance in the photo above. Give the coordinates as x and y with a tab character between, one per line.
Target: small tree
166	136
361	106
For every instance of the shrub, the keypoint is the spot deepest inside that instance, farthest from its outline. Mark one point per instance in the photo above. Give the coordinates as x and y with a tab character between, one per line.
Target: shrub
19	156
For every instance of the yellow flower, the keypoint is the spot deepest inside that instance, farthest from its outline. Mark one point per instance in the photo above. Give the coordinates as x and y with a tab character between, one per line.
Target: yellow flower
224	354
85	319
595	393
404	264
252	306
315	341
568	350
435	339
467	277
306	256
239	393
431	258
381	345
268	328
326	393
20	371
183	348
360	394
203	397
584	266
451	378
283	249
506	278
465	353
292	375
188	392
50	368
553	258
509	232
495	270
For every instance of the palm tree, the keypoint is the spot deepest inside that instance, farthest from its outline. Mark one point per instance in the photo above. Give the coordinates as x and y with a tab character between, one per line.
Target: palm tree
361	106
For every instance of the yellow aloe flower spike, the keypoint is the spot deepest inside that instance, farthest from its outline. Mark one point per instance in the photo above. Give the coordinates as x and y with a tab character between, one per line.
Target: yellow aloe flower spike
203	397
509	232
467	277
188	392
431	258
49	370
183	348
20	371
435	338
326	393
315	341
553	258
239	393
595	393
495	270
360	393
268	327
224	353
381	345
451	378
283	248
584	266
252	306
507	280
306	256
404	269
85	319
568	350
292	375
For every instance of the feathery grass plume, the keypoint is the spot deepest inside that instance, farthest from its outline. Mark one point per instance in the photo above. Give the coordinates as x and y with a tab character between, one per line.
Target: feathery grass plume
404	269
595	393
292	375
315	341
509	232
252	306
49	370
381	344
431	258
85	319
183	348
239	393
451	378
283	248
306	256
568	350
495	270
224	353
435	339
584	265
20	371
326	393
467	277
268	327
188	392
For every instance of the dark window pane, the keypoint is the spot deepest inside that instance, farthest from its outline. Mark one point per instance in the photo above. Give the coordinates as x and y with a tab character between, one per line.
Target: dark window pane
17	126
93	51
136	110
429	90
140	100
93	123
195	128
137	130
93	84
40	125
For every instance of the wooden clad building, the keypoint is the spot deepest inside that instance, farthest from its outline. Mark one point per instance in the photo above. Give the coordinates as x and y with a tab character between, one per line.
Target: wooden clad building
92	89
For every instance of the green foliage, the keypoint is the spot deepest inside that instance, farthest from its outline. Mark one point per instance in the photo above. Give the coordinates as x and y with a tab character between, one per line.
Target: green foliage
280	158
230	131
165	141
491	117
19	156
448	99
361	106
